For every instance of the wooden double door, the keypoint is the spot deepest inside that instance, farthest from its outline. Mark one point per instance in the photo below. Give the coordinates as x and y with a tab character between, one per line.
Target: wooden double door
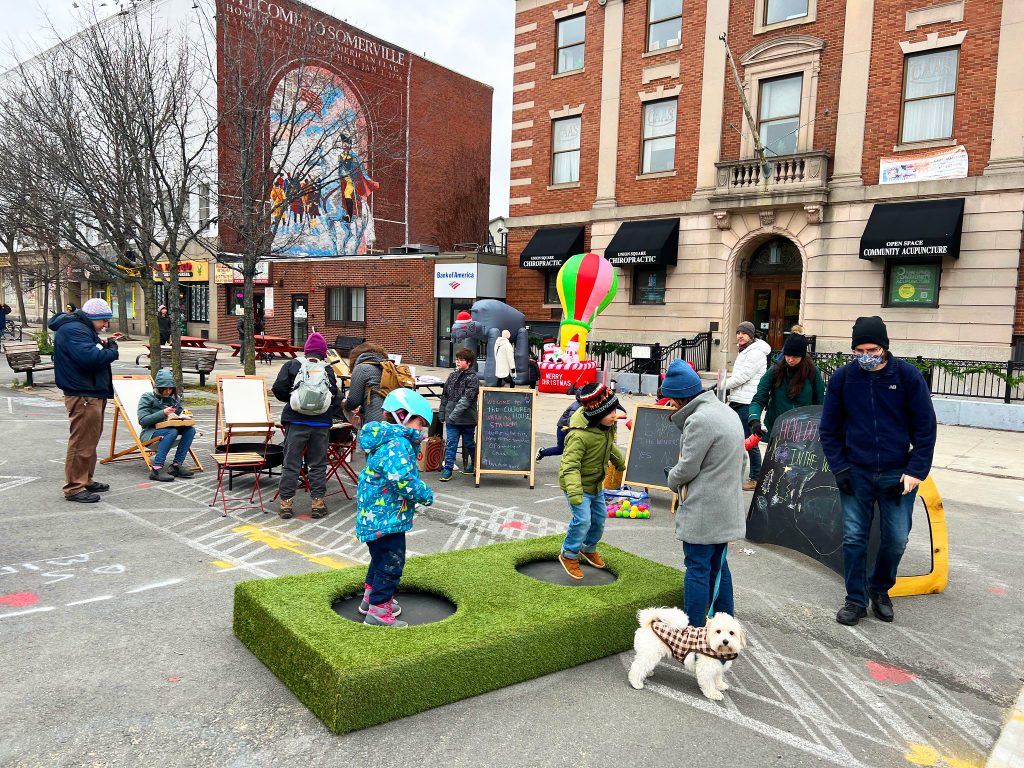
773	306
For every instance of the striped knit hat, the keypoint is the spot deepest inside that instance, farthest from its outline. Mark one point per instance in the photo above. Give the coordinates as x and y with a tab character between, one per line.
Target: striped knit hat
598	401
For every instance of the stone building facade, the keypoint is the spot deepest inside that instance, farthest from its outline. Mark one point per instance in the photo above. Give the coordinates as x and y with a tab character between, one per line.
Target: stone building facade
892	180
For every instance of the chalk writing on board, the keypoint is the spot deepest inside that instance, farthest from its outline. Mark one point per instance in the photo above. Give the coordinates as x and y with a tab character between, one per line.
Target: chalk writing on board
654	445
506	437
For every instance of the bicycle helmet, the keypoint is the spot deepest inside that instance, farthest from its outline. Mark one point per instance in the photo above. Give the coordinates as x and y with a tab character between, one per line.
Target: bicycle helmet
405	403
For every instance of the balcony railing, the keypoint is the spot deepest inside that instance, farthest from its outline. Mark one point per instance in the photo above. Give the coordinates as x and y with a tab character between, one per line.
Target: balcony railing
806	172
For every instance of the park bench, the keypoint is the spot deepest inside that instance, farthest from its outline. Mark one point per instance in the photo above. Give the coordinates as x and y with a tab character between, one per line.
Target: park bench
344	345
193	360
24	357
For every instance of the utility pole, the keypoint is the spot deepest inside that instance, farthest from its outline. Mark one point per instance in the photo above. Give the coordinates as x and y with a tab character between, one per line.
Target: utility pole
766	167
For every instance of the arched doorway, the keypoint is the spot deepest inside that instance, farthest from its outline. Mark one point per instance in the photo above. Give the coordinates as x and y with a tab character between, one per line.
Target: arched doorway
773	289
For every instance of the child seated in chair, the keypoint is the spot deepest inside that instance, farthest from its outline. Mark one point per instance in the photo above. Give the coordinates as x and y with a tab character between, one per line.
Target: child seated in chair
162	405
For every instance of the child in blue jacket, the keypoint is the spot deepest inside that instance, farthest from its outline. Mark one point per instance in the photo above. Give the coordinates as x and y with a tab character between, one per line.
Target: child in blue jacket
388	491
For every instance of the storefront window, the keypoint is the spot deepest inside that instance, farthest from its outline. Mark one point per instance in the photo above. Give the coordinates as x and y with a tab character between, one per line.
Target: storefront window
198	304
570	44
929	95
912	285
648	286
659	150
551	287
565	150
779	114
664	24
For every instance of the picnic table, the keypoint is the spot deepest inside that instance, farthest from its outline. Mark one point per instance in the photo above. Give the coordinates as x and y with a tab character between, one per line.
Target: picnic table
269	345
196	342
429	386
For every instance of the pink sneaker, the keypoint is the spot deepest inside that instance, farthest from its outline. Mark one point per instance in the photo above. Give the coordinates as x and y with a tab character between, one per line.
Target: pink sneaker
364	606
382	616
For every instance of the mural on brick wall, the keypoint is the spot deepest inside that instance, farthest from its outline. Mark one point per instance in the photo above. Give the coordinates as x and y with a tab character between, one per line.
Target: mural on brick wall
323	205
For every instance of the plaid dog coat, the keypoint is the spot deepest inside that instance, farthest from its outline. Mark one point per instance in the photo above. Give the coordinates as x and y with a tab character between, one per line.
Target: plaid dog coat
688	640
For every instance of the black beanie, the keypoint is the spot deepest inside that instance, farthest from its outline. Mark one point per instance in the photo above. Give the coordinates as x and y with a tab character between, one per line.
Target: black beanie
870	330
795	346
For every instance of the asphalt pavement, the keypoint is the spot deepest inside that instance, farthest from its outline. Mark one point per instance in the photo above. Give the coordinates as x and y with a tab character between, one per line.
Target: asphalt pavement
116	642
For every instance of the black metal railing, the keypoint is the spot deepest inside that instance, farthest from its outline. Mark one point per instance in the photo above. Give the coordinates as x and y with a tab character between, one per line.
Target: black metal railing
618	355
982	379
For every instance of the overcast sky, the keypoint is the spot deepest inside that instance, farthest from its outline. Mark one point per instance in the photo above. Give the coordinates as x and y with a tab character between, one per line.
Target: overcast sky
474	37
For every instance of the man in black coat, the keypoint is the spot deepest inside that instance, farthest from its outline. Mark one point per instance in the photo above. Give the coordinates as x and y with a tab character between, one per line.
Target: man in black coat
878	433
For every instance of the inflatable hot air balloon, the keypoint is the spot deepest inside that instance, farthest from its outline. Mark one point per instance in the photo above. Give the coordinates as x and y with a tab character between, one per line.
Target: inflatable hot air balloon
587	283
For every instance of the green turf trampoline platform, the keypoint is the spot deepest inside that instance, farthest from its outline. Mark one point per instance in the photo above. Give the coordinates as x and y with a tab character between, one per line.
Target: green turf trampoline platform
507	628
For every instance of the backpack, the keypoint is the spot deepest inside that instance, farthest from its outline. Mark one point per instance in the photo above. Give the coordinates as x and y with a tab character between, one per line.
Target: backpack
393	377
311	390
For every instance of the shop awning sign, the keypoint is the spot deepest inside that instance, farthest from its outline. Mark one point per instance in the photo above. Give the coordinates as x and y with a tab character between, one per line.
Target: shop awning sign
922	230
550	248
646	243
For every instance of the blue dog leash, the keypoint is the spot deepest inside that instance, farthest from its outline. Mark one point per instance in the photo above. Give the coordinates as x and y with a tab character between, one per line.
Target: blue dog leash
718	582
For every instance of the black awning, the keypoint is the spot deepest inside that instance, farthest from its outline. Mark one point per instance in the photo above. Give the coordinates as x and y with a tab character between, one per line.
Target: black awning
645	242
924	229
550	248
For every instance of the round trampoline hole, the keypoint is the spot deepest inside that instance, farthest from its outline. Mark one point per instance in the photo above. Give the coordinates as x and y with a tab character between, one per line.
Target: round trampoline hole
552	572
417	607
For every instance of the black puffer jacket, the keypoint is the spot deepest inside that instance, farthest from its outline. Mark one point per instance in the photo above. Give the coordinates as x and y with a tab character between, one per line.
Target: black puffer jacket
459	398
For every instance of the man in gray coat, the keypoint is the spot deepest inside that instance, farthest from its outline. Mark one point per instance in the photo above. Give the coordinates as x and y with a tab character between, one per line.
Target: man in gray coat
710	471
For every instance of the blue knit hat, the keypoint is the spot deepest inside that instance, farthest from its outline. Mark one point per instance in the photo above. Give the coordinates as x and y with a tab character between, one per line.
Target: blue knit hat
681	381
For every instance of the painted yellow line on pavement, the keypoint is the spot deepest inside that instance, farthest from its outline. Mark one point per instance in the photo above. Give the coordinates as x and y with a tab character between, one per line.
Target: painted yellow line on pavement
274	541
222	564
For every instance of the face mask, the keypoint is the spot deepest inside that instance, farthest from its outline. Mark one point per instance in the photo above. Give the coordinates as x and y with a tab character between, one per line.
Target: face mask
867	362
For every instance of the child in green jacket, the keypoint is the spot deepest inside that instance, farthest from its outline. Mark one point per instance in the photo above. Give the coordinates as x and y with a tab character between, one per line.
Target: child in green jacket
589	446
157	406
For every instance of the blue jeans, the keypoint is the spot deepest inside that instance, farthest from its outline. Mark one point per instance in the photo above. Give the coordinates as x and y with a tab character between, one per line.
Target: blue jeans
167	437
895	517
387	561
558	449
452	433
586	526
704	562
743	411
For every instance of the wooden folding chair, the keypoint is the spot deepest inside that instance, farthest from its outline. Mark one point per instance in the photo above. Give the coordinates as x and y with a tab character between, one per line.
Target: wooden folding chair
128	390
243	413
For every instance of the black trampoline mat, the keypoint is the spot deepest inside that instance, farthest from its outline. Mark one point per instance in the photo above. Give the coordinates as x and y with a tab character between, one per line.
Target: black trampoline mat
417	607
552	572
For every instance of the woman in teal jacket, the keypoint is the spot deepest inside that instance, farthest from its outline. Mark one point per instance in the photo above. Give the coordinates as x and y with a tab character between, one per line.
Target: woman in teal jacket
157	406
794	381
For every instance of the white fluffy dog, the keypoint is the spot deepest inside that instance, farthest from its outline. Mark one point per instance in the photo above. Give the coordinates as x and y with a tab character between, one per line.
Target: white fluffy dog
705	651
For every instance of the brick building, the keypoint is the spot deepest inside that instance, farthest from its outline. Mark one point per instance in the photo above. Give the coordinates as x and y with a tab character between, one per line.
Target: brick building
892	180
417	164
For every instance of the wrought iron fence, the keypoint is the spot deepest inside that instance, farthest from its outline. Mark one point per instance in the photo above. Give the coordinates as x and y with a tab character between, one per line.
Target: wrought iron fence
981	379
619	354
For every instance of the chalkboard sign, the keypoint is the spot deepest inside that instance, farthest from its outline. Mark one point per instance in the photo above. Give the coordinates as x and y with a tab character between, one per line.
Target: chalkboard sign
653	445
796	504
504	434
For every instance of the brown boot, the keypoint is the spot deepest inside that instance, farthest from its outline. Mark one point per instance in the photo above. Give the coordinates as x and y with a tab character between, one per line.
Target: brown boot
593	559
319	509
286	512
572	567
750	485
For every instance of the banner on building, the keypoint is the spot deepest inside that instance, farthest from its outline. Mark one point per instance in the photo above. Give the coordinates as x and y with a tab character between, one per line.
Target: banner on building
225	275
189	271
268	302
948	163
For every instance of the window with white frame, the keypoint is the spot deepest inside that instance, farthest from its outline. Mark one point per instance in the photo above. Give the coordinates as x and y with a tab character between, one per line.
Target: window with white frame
776	11
664	24
779	114
570	35
929	95
659	136
346	305
565	150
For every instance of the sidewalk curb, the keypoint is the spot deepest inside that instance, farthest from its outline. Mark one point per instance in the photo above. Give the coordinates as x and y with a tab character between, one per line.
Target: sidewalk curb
1009	749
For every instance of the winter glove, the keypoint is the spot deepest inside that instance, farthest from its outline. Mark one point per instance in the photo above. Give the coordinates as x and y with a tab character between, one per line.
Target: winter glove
844	482
111	344
894	492
757	428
